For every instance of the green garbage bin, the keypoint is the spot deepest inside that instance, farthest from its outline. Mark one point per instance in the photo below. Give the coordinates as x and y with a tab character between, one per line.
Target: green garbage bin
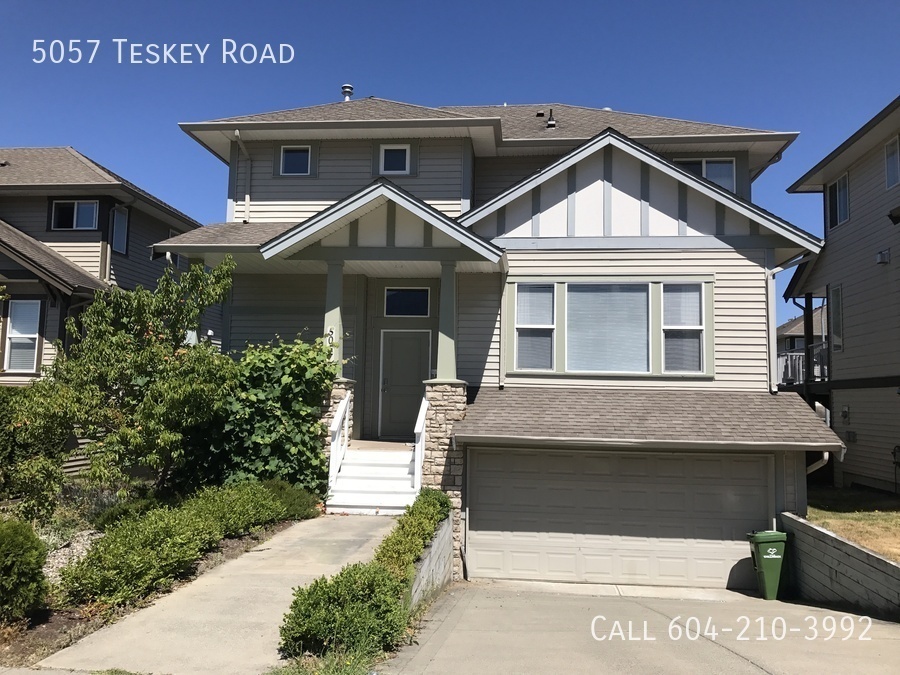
767	549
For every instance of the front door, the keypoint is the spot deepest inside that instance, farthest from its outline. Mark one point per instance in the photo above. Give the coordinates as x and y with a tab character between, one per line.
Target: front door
405	365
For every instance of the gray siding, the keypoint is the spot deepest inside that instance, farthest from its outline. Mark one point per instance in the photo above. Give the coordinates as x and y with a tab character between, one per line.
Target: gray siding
478	328
874	417
137	268
343	168
493	175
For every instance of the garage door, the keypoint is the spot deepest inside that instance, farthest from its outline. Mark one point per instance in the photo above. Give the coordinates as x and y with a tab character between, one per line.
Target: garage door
628	518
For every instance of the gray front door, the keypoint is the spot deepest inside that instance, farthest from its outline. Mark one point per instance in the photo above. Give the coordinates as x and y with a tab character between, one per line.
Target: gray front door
405	365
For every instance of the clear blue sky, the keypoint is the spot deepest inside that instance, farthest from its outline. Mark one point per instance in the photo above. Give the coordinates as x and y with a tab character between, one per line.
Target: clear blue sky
821	68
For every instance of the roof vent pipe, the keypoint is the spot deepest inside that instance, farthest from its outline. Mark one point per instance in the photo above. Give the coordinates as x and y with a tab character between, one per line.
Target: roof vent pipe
347	91
551	123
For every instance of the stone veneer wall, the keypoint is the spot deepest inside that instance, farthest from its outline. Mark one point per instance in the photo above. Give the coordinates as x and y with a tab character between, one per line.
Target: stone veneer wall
443	466
340	390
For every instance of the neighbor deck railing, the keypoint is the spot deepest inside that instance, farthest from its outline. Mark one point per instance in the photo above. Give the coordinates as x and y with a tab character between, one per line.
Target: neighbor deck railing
792	363
340	439
419	453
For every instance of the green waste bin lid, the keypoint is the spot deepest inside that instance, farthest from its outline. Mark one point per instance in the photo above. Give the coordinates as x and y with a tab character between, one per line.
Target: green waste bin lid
766	537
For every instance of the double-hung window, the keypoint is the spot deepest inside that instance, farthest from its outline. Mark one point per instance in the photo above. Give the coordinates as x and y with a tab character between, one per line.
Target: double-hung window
22	336
607	328
838	196
719	171
75	215
535	326
892	163
683	328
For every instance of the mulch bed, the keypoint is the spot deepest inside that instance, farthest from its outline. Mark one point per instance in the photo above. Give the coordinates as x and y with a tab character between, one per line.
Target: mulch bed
28	642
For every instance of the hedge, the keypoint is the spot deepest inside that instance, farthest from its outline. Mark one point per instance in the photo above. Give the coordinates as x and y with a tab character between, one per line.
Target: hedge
22	557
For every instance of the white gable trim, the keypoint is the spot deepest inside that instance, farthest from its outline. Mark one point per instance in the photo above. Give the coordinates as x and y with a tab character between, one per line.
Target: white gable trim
381	190
613	138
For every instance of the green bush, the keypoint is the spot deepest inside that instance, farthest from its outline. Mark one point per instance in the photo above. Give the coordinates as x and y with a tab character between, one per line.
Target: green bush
299	504
141	555
127	509
274	428
360	608
22	557
237	508
414	530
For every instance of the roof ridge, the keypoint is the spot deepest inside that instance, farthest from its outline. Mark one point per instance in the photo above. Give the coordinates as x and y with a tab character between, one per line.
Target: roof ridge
94	166
333	103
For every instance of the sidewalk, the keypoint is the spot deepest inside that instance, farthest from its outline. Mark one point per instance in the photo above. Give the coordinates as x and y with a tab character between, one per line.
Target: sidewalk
227	620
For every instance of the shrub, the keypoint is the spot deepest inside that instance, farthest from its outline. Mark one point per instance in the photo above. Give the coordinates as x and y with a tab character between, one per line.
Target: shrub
237	508
299	504
22	557
127	509
357	609
141	555
414	530
274	428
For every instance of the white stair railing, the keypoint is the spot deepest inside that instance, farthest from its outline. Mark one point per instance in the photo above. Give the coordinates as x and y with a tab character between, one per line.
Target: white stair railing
419	454
340	439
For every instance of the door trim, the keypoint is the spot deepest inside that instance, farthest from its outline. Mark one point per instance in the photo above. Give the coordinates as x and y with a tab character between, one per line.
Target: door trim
381	362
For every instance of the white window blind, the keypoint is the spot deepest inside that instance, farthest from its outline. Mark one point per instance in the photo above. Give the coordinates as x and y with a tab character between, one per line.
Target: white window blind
534	326
607	328
683	328
22	335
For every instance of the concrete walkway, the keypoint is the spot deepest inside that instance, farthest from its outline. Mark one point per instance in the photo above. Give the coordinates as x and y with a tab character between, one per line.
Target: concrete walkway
227	620
520	627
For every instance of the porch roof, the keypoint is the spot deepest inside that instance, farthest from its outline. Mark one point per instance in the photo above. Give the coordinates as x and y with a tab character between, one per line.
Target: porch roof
725	421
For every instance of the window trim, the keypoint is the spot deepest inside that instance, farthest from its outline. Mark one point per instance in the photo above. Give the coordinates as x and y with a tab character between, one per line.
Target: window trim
309	163
701	328
74	227
509	342
846	178
427	289
395	146
38	341
551	327
704	160
112	228
895	141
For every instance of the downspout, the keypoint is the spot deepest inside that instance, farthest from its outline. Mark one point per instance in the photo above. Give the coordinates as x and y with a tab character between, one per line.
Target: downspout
248	176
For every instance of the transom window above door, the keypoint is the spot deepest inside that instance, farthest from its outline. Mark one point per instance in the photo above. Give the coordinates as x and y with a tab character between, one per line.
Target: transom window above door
406	301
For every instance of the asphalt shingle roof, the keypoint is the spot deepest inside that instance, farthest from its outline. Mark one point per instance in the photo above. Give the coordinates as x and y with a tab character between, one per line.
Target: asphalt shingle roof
701	416
25	249
67	166
230	234
794	327
358	110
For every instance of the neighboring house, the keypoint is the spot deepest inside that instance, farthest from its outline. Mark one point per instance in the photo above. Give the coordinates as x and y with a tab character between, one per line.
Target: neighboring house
569	312
860	185
68	228
792	347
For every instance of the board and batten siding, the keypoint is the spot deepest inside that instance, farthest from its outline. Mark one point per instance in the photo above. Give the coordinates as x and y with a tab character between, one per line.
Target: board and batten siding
740	326
343	168
870	292
478	328
30	214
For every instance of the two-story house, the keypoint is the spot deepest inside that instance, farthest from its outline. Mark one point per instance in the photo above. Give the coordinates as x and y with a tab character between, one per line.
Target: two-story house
68	228
860	186
568	313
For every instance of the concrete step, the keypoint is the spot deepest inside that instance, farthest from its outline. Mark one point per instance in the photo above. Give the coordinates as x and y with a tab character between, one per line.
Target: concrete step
377	457
370	502
348	484
356	470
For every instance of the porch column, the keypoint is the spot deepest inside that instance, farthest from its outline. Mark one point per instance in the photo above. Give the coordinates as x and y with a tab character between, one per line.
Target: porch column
334	326
446	349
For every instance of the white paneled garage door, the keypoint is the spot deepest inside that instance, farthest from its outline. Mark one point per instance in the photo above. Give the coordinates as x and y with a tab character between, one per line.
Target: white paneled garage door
613	517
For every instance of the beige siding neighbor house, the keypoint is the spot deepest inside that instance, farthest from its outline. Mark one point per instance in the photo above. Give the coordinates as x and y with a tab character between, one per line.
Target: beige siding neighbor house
854	272
561	316
68	228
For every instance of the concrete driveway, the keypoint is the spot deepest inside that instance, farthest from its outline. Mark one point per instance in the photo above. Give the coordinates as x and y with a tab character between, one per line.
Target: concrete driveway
524	627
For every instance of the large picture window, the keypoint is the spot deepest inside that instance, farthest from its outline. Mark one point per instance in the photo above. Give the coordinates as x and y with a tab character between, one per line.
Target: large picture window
22	336
535	325
608	328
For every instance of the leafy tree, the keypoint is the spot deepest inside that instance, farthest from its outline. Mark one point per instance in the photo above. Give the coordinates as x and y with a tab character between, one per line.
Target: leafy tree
131	382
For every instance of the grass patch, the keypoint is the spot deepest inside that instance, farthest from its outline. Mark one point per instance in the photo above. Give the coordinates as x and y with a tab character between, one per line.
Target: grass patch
865	517
338	662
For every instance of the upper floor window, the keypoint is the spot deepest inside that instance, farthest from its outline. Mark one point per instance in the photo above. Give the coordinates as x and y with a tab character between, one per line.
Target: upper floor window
836	316
535	326
838	202
118	235
683	328
892	163
719	171
608	328
394	159
75	215
22	335
295	160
